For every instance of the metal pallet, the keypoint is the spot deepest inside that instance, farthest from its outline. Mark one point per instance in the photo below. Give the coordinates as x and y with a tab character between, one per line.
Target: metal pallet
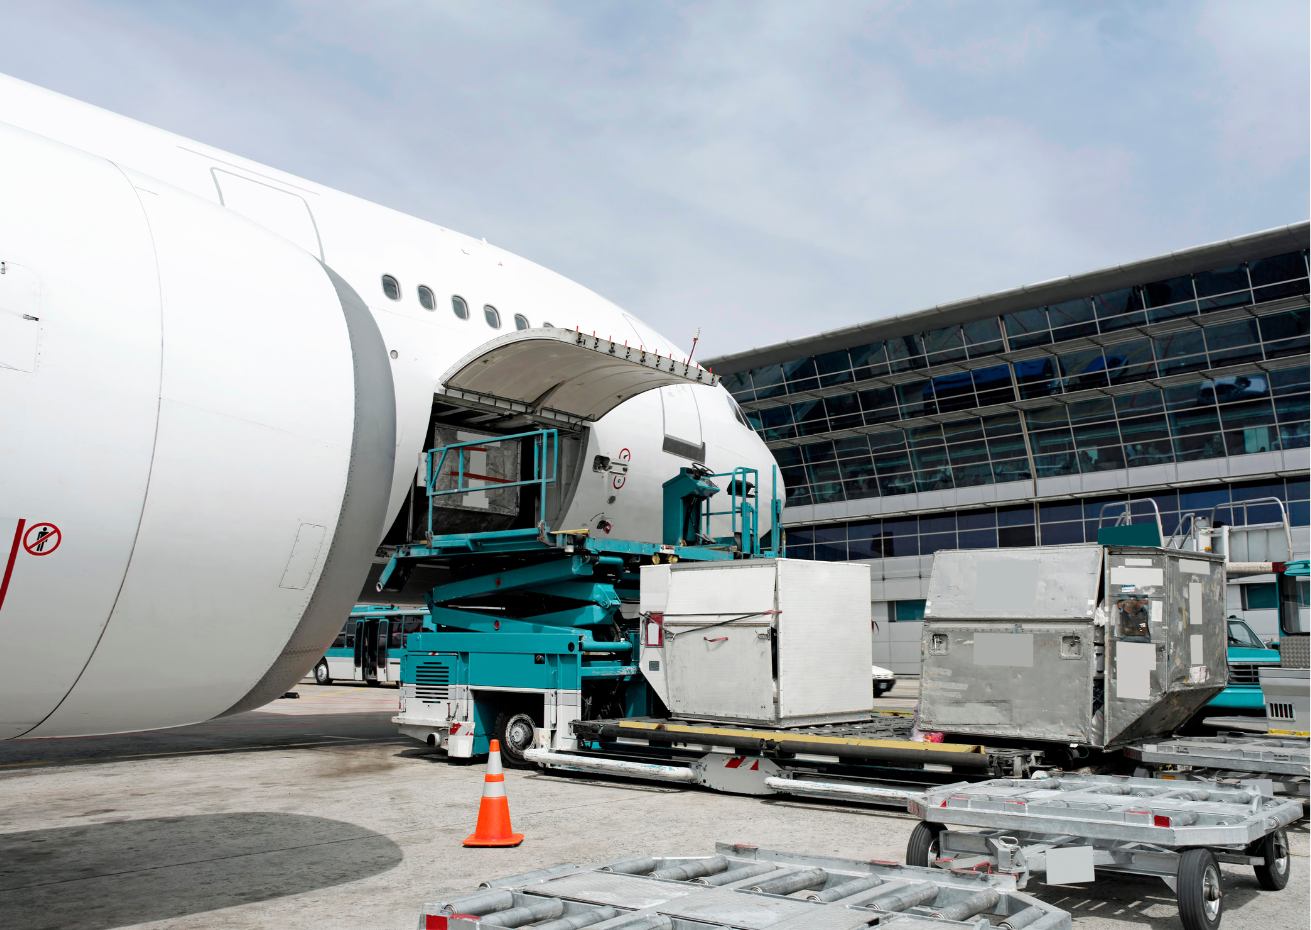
746	888
1069	825
1285	760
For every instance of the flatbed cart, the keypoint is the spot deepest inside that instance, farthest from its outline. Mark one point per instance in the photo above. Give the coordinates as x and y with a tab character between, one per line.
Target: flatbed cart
1285	760
744	887
1068	826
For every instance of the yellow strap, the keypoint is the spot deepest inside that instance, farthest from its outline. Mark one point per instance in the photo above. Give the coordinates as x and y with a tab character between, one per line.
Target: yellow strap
778	736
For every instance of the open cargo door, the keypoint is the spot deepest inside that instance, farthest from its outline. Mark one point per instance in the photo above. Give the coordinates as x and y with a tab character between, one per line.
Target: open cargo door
557	377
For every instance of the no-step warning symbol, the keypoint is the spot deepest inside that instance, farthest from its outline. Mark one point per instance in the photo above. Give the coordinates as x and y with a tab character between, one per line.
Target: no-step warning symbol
38	539
42	539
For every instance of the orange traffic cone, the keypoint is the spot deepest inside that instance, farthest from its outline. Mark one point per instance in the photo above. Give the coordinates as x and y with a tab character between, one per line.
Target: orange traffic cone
494	812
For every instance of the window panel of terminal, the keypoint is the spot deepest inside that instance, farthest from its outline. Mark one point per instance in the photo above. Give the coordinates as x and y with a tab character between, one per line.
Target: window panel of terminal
1050	523
1208	417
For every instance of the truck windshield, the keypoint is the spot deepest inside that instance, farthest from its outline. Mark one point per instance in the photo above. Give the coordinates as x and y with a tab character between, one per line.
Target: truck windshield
1240	634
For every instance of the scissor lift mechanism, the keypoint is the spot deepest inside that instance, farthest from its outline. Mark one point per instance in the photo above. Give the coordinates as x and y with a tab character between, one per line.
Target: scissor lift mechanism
1067	826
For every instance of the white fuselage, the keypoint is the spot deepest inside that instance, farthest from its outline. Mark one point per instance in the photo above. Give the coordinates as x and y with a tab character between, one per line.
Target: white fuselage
198	405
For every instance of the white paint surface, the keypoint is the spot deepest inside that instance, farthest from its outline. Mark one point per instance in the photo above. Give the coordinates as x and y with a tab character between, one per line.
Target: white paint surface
1067	865
277	210
1007	649
1138	577
1134	663
304	554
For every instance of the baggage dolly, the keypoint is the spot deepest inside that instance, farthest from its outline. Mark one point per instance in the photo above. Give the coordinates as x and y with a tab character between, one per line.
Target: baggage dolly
1068	826
1285	760
744	887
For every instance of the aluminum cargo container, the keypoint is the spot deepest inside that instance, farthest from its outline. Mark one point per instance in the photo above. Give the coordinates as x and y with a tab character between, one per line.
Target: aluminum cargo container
1089	645
769	642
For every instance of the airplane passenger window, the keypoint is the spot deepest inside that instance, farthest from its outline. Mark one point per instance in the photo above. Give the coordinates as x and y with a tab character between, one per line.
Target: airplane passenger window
426	299
493	316
460	307
520	321
391	287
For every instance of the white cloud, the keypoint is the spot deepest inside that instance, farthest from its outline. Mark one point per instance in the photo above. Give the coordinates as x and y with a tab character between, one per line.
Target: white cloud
1260	83
763	170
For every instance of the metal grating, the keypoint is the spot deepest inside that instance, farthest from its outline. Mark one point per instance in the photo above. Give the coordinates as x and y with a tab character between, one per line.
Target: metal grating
1245	673
432	682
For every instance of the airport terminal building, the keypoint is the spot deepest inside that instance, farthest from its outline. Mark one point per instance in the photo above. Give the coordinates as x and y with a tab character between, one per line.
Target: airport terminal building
1014	418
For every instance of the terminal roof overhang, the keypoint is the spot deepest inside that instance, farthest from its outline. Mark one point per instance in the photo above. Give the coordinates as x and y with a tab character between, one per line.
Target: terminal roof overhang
1187	261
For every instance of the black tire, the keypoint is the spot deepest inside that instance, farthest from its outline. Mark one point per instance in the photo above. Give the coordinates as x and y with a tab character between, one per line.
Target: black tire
515	731
1201	899
885	687
923	847
321	675
1272	876
372	680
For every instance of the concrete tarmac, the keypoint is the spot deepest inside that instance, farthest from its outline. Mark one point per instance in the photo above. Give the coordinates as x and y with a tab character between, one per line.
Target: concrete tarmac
313	812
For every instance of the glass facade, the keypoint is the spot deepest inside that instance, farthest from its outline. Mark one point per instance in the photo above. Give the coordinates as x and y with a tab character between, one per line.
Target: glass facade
1157	373
1032	524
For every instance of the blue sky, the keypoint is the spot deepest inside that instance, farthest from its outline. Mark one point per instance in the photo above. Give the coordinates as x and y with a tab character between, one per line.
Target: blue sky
759	170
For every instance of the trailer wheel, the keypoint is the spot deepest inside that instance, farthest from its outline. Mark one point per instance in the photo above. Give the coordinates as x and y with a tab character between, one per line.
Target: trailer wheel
1274	849
321	675
516	732
923	847
1201	900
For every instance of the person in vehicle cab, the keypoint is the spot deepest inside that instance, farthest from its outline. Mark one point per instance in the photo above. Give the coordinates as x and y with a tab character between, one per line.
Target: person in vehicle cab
1134	620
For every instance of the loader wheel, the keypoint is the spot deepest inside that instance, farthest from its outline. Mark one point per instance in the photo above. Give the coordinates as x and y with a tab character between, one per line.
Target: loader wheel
923	847
1201	900
516	732
1274	849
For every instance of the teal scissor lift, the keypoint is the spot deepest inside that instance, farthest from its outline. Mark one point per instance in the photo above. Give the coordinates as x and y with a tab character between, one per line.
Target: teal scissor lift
534	613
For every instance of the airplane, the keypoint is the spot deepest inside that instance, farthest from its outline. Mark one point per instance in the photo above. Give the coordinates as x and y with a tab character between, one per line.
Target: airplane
217	380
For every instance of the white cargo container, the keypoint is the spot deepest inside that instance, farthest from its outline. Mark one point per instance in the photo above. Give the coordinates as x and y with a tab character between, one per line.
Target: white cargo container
772	642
